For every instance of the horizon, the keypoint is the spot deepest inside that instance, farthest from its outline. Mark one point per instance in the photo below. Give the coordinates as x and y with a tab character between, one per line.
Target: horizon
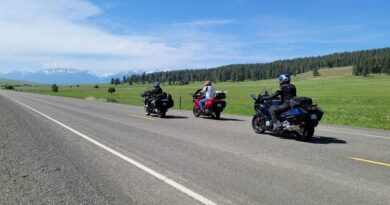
109	37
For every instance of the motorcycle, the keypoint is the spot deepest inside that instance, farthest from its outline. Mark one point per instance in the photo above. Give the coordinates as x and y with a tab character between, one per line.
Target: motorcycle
157	104
300	120
213	107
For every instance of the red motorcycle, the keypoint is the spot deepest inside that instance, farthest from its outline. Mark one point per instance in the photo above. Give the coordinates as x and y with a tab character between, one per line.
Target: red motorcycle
213	107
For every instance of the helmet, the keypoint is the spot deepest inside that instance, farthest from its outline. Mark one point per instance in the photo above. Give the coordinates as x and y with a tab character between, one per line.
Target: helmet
156	84
284	78
207	83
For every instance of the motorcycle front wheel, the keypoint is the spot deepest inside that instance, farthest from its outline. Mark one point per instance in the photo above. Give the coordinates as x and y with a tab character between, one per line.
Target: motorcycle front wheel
195	111
258	124
147	112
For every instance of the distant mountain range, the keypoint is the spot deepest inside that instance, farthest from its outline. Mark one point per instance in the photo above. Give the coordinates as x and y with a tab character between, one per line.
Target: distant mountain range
65	76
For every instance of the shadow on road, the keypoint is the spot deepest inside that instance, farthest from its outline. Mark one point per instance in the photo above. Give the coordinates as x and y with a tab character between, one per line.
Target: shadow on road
175	117
326	140
315	140
221	119
228	119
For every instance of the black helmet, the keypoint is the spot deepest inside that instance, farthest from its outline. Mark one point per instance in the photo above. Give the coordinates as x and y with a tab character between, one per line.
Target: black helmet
284	78
156	84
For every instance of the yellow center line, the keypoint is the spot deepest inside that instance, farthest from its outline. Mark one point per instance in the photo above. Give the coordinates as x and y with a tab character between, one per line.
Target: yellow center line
370	161
148	118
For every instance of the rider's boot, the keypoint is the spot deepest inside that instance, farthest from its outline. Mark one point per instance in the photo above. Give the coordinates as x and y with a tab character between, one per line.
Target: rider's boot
277	125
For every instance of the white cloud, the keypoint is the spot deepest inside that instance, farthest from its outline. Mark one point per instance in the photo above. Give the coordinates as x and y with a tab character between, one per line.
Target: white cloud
57	32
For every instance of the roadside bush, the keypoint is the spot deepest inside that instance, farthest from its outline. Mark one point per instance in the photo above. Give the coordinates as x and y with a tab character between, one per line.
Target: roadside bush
111	90
316	73
112	100
54	88
9	87
96	86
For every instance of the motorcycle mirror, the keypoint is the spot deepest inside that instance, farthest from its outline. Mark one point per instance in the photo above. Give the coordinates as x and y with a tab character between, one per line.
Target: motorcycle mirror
266	92
253	96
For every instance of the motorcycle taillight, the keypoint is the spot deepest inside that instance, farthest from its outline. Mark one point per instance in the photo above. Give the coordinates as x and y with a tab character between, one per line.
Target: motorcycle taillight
295	119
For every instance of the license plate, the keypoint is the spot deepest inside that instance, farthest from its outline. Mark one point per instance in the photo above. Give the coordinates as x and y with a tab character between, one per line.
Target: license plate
219	105
313	117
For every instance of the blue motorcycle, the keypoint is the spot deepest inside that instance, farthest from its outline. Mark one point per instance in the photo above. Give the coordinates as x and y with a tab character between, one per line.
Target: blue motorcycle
299	121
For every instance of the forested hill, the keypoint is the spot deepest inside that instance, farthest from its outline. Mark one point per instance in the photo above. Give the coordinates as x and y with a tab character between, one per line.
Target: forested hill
363	62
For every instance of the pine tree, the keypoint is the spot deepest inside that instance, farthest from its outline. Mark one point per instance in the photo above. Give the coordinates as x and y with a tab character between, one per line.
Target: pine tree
117	81
364	62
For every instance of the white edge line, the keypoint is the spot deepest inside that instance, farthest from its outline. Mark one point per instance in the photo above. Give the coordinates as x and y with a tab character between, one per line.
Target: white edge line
129	160
354	133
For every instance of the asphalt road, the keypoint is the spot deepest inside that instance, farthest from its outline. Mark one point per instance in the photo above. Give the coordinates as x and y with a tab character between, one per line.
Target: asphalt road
56	150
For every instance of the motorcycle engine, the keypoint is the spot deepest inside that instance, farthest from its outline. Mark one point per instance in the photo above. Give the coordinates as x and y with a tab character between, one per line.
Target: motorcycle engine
290	127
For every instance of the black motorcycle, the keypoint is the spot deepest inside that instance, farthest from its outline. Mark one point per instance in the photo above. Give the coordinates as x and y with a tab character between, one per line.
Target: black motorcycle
299	121
157	104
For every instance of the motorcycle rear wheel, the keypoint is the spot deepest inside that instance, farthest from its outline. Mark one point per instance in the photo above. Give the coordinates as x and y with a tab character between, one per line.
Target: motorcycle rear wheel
217	115
306	135
162	113
258	124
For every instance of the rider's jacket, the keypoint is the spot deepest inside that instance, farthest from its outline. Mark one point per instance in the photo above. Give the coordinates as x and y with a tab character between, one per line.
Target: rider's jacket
286	92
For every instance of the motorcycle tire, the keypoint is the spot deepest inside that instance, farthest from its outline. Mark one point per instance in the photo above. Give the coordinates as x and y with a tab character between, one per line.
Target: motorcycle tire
162	113
147	112
195	112
217	115
306	135
258	124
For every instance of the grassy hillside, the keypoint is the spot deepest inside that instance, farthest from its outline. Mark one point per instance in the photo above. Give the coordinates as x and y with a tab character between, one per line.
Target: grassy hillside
346	99
15	82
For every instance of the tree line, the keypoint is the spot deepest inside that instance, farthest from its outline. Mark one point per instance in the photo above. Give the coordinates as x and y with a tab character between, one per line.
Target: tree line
363	62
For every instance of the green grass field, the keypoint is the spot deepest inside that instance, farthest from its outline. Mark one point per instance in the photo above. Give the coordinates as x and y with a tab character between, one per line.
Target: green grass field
346	99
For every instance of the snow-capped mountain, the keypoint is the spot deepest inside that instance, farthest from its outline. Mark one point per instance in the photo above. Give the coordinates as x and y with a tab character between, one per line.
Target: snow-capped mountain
119	75
64	76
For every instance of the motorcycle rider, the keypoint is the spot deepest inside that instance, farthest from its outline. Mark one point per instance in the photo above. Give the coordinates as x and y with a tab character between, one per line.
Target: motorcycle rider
208	91
154	92
286	92
156	88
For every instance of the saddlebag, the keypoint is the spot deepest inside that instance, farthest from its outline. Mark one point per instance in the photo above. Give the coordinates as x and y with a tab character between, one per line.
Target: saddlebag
301	102
219	105
220	95
166	98
170	100
306	101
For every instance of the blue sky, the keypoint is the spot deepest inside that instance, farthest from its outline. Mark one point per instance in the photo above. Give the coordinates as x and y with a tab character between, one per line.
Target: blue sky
110	36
